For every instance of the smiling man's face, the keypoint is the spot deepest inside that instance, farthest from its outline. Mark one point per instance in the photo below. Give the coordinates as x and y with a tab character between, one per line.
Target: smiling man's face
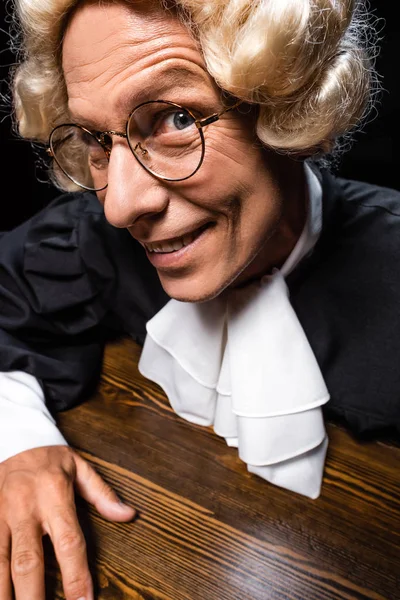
236	213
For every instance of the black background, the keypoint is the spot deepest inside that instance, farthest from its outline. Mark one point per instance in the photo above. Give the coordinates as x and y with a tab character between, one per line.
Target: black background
372	158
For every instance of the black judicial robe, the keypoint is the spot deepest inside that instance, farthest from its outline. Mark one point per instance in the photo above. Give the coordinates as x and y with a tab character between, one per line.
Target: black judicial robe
69	281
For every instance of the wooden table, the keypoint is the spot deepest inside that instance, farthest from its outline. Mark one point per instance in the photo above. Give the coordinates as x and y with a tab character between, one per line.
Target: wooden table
207	529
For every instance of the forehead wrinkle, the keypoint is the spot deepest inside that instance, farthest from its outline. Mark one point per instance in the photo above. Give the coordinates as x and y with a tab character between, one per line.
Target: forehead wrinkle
111	52
107	56
115	62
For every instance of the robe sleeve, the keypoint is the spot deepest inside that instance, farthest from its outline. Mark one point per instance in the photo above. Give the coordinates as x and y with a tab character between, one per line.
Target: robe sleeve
68	281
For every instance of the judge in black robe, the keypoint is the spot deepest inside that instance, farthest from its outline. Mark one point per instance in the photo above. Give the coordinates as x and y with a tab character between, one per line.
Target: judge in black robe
69	281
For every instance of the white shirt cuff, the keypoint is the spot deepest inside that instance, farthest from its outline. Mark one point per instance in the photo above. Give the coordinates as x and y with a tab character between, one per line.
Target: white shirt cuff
25	421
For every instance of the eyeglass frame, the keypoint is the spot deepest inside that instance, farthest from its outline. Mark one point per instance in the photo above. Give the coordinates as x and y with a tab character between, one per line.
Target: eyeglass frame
99	137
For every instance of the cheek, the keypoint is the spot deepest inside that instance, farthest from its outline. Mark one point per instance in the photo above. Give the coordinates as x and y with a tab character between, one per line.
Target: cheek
260	219
243	177
228	175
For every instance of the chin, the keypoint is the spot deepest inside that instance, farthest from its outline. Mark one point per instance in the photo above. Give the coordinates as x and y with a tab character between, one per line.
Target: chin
192	290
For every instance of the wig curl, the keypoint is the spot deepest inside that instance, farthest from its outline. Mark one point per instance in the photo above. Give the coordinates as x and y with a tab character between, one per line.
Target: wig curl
306	64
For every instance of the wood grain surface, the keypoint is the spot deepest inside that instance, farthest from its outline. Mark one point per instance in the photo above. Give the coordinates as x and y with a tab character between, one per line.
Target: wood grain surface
209	530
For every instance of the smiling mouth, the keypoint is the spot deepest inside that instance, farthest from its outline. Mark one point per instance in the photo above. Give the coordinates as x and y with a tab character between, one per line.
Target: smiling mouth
175	244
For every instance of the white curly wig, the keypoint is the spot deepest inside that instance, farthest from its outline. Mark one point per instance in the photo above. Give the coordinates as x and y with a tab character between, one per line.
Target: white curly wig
307	64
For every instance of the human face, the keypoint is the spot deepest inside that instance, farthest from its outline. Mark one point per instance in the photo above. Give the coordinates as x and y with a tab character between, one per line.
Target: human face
231	213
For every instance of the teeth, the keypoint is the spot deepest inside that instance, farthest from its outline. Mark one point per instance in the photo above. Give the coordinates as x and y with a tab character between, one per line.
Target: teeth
188	239
174	245
177	245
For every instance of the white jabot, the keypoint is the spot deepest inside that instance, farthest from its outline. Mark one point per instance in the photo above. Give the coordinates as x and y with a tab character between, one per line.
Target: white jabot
244	365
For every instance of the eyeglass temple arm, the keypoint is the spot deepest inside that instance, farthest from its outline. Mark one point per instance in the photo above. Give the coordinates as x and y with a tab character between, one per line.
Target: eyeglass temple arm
216	116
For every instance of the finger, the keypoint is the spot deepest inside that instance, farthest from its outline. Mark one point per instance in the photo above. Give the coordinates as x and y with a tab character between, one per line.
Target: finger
70	549
27	562
5	563
95	490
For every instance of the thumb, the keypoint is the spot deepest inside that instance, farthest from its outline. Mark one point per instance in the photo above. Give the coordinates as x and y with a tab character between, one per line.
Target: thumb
95	490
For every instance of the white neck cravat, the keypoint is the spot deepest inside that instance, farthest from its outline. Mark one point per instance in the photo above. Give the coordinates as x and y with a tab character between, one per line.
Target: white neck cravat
244	365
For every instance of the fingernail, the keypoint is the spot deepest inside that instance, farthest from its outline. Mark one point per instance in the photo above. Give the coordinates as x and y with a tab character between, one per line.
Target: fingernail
125	507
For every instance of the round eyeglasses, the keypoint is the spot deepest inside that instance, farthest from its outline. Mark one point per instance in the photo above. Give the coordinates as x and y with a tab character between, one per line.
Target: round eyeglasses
165	138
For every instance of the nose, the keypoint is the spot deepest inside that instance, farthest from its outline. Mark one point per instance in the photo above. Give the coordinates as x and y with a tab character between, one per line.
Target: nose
132	193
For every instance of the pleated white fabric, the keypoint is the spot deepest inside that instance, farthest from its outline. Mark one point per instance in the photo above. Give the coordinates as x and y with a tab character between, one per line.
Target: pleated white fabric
244	365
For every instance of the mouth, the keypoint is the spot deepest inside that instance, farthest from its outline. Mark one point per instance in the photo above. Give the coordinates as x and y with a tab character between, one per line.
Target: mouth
179	252
174	244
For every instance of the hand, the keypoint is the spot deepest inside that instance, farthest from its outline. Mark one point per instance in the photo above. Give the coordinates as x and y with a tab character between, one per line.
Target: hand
37	498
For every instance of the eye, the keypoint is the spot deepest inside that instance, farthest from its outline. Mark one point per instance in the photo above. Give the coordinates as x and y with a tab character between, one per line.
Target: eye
173	121
180	120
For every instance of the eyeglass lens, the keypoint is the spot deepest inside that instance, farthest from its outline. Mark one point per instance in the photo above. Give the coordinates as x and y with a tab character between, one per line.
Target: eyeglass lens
163	137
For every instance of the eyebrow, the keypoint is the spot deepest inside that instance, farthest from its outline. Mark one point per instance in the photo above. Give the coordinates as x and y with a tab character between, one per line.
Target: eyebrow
166	81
